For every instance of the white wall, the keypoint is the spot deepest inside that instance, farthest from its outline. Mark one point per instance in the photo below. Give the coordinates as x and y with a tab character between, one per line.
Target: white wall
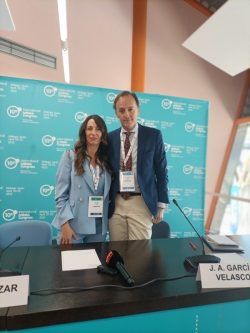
173	70
99	38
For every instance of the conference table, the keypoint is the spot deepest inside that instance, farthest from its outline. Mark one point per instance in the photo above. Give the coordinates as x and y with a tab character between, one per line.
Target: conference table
166	297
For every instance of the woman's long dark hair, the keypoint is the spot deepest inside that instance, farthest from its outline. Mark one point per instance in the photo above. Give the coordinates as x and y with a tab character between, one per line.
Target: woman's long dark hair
81	146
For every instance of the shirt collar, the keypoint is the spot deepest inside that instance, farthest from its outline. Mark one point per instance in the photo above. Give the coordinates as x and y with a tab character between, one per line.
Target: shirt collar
134	130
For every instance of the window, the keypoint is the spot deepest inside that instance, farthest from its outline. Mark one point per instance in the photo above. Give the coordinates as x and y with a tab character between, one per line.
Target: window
232	213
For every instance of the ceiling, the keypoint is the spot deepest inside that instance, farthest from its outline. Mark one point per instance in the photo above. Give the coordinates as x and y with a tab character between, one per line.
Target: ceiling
224	39
31	19
212	5
37	27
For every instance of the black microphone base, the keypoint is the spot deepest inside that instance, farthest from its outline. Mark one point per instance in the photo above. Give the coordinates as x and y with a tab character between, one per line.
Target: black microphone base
192	263
5	273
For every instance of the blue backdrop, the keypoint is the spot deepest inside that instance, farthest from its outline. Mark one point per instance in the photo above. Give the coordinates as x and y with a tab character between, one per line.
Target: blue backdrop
40	119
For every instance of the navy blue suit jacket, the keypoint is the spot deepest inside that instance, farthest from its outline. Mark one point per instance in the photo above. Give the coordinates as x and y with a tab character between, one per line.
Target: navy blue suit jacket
151	167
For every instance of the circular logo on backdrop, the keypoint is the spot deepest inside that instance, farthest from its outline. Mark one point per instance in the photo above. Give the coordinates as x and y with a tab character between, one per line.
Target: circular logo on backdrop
48	140
46	190
80	116
187	211
141	120
167	147
189	127
49	91
187	169
9	214
166	103
11	162
110	97
13	111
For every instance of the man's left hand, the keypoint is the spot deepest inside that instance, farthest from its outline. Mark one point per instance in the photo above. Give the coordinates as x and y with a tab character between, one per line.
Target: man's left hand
159	216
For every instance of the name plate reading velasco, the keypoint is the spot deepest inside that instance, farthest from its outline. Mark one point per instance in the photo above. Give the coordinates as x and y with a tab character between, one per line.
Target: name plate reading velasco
224	275
14	290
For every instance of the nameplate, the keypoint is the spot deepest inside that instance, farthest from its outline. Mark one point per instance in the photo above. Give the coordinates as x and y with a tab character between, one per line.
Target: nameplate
14	290
224	275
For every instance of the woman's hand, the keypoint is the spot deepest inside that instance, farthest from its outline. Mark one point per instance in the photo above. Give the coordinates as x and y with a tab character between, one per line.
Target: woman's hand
67	234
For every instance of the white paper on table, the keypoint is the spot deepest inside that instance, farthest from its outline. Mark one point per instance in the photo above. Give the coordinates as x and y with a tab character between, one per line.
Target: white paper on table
222	240
79	259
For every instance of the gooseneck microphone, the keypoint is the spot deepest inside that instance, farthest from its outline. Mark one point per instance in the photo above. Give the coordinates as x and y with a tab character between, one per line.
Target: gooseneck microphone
114	260
9	245
5	248
194	261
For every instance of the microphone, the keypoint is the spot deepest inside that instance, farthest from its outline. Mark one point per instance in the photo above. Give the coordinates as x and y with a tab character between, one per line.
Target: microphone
106	270
193	262
114	260
2	272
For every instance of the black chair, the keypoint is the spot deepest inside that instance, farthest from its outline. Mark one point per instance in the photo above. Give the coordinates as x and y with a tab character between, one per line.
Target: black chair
161	230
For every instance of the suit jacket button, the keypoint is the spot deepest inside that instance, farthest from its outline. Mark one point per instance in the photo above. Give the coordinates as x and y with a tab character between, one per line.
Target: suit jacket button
80	199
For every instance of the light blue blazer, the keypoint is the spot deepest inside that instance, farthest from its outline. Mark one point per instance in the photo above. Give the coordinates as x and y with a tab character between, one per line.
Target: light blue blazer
72	197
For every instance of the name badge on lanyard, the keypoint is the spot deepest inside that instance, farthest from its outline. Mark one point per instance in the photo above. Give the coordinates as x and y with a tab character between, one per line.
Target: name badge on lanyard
127	181
95	208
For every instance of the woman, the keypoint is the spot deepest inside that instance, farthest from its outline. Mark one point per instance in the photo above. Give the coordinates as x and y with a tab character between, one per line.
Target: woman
82	186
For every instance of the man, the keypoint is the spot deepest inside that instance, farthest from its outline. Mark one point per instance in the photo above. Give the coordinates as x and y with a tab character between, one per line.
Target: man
138	192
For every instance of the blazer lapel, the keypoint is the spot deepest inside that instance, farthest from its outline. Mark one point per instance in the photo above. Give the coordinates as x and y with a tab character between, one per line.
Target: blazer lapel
141	146
107	183
87	175
117	149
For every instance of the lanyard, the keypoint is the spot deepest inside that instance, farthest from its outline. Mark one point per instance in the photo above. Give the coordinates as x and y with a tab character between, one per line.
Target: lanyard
95	175
125	159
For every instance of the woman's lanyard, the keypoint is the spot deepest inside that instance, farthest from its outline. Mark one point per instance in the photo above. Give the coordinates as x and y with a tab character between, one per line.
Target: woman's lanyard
95	175
125	159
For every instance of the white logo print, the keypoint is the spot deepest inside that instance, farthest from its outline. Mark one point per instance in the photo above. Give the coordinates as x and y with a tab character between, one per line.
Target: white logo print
189	127
46	190
110	97
141	120
48	140
13	111
167	147
49	91
187	211
187	169
166	103
80	116
9	214
11	162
